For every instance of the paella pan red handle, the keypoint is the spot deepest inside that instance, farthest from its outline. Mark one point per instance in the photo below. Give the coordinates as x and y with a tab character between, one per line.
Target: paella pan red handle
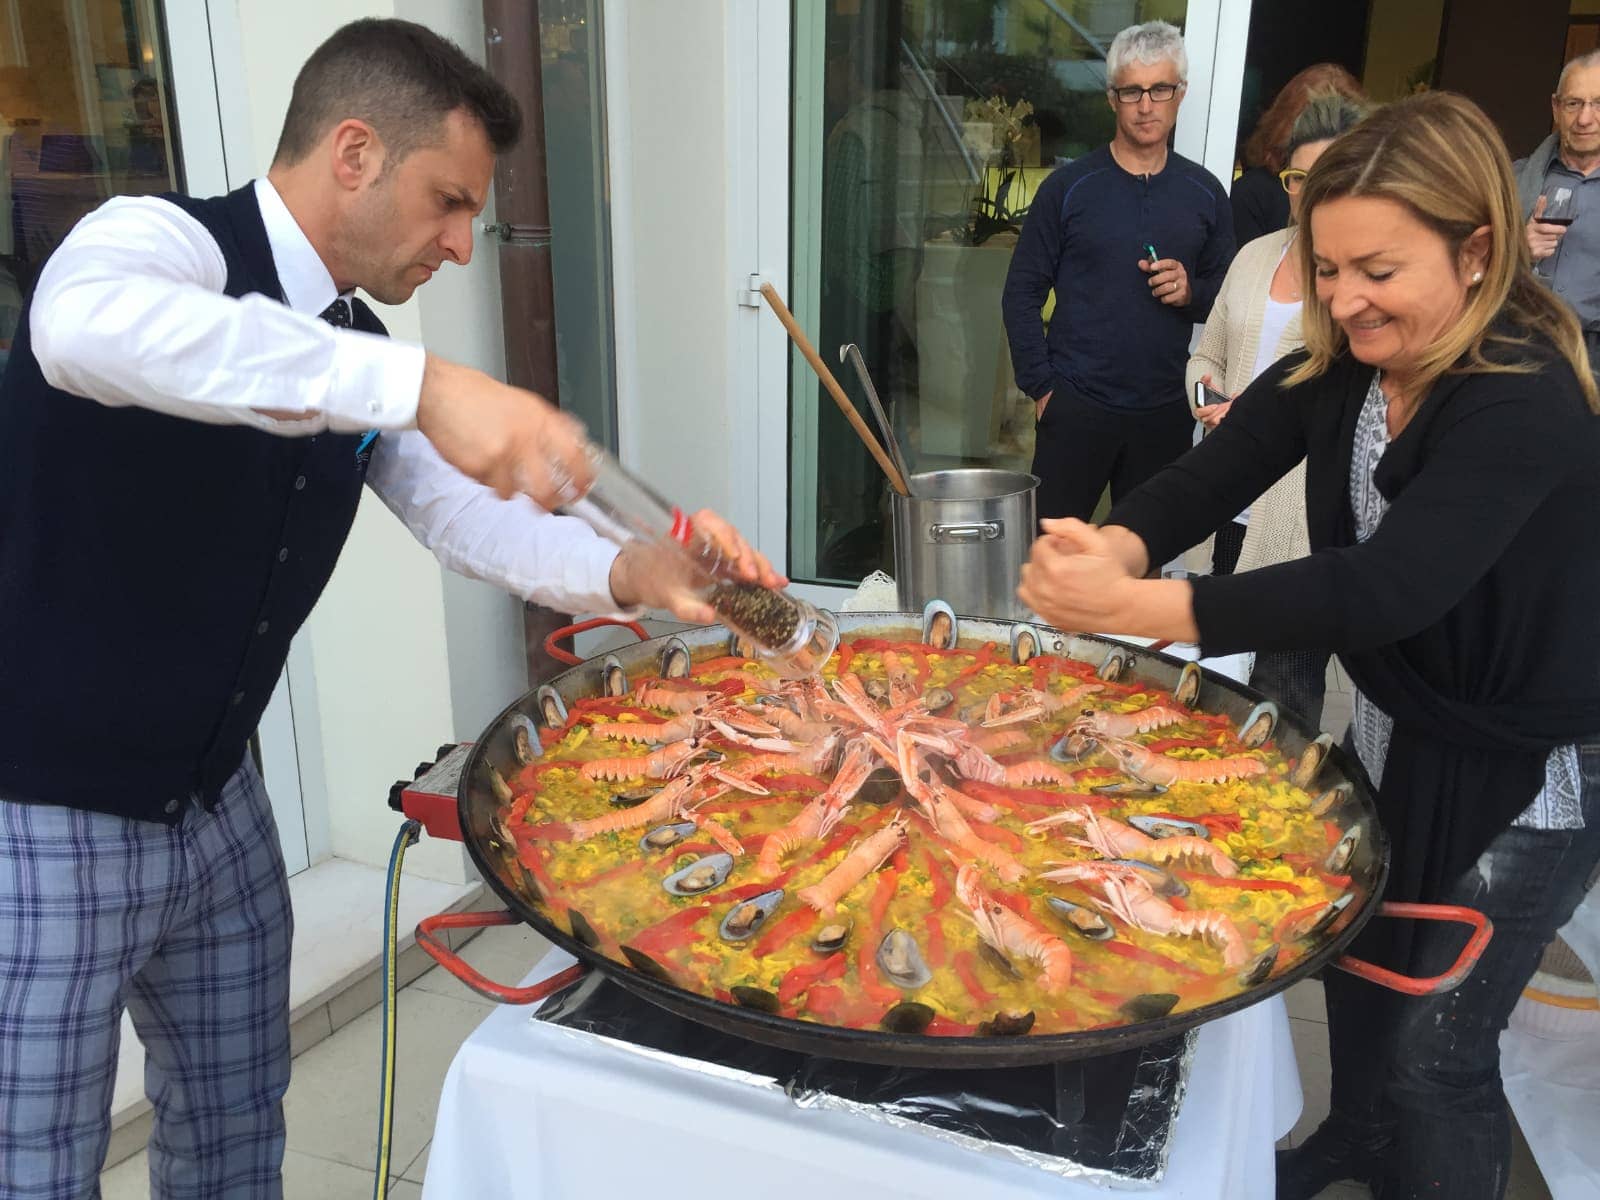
1482	928
484	986
566	631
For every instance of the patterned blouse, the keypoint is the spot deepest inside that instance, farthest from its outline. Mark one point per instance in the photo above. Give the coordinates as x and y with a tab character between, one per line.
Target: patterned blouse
1558	805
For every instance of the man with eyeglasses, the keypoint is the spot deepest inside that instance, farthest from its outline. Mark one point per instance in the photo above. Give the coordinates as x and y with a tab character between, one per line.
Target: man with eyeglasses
1559	186
1135	239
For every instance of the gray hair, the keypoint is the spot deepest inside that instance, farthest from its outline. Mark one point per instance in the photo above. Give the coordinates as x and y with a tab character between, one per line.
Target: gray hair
1591	59
1148	44
1327	115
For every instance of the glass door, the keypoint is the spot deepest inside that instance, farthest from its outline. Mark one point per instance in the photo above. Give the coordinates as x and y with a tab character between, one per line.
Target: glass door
921	130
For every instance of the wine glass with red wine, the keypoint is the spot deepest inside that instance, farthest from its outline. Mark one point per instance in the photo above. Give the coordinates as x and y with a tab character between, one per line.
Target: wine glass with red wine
1560	208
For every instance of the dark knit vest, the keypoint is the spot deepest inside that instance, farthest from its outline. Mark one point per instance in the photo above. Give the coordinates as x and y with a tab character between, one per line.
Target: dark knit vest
152	572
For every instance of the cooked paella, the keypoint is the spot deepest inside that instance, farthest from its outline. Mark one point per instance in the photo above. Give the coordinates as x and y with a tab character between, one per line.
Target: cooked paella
929	837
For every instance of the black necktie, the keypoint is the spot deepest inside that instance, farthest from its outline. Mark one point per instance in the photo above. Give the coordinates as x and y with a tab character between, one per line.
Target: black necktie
337	314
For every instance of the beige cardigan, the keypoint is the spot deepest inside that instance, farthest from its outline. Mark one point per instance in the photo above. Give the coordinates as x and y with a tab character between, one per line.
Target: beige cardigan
1227	352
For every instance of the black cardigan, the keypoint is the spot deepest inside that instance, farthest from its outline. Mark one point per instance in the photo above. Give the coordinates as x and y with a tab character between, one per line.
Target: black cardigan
1470	615
1260	205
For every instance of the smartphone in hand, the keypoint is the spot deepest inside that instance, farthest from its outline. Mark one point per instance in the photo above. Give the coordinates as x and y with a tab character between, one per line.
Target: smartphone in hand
1204	396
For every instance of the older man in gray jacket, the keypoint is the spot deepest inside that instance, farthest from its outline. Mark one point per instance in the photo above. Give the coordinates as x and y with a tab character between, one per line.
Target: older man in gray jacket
1566	254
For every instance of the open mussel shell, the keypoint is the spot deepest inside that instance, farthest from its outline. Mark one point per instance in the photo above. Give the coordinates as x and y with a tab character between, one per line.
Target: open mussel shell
552	708
1167	827
633	797
1007	1024
1304	772
1339	857
1085	922
1131	787
1335	797
664	837
998	960
675	659
1025	643
581	929
877	690
1258	724
754	997
645	965
1324	921
1164	882
939	625
613	676
699	876
1115	666
1259	968
1148	1006
740	646
747	916
937	699
525	744
901	962
883	786
907	1017
1187	690
1072	746
831	937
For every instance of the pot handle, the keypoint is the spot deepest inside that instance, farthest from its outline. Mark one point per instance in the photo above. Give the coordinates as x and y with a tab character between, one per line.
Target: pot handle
572	660
970	531
452	962
1483	930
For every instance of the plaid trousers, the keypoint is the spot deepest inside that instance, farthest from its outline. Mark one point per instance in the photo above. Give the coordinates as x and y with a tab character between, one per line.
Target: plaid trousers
187	927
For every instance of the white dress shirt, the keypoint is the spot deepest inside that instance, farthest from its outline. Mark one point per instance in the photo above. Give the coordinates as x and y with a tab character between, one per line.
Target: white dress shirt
130	311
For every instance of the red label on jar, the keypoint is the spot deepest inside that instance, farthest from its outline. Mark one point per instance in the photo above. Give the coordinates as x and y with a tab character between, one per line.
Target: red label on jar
682	527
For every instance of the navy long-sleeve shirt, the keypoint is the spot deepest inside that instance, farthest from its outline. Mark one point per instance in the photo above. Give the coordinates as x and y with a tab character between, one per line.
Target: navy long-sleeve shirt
1111	340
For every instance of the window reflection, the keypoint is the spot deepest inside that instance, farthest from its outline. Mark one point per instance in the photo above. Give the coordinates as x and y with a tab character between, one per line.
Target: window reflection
933	122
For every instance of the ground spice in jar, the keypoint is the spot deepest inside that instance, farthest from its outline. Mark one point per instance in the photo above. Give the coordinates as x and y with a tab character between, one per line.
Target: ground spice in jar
765	616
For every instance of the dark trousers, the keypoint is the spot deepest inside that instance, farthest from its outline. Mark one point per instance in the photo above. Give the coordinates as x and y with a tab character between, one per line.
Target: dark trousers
1428	1067
1081	446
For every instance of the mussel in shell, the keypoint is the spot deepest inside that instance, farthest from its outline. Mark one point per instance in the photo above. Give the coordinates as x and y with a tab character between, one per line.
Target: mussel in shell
754	997
937	699
613	676
1072	746
883	786
1315	924
1339	857
831	937
552	708
699	876
676	660
664	837
1115	666
581	929
1334	797
633	797
645	965
1025	643
907	1017
901	961
740	646
1164	882
1083	921
1167	827
1149	1006
525	744
747	916
1259	968
1258	725
998	960
1007	1024
1131	787
1304	772
877	690
939	625
1187	691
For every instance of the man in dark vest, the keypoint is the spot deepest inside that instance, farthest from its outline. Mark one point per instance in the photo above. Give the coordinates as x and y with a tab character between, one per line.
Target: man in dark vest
182	447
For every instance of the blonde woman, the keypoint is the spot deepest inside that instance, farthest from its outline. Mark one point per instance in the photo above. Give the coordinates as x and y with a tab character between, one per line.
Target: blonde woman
1255	322
1447	415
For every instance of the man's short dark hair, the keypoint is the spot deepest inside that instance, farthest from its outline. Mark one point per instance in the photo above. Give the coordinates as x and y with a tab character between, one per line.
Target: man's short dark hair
403	80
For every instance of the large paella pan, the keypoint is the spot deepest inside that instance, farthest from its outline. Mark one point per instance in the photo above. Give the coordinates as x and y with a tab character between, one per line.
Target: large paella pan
969	842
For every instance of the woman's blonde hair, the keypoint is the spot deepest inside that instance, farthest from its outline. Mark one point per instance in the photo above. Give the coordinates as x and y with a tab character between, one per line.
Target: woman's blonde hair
1440	157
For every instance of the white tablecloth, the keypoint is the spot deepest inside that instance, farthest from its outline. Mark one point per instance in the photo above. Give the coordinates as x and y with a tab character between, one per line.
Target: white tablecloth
532	1110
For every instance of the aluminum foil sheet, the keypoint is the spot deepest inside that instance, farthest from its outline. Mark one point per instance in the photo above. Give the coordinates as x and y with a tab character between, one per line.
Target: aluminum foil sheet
1110	1119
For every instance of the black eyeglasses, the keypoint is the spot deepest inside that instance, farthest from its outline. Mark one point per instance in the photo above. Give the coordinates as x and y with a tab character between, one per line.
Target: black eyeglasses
1161	93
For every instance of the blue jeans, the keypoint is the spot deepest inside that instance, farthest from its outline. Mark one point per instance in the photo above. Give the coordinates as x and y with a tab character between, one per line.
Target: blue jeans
1428	1068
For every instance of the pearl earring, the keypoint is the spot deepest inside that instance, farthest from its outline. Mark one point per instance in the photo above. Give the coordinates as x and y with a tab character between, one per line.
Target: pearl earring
1477	277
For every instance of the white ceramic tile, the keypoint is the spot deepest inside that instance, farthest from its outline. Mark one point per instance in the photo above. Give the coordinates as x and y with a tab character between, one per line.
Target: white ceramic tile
405	1189
1311	1055
307	1177
128	1180
418	1170
1525	1181
310	1029
1305	1001
504	953
332	1106
129	1088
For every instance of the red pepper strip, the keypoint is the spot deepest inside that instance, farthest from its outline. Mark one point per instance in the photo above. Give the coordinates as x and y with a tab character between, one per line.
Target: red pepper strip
867	975
888	882
1249	885
518	812
1332	832
842	657
1139	954
1284	931
942	891
966	971
922	668
945	1027
783	931
934	951
1221	824
806	974
533	858
663	933
1338	882
900	859
999	834
627	868
547	831
1017	904
868	645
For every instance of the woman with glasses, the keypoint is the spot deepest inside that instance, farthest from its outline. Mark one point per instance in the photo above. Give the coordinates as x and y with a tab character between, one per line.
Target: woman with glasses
1259	205
1447	415
1255	322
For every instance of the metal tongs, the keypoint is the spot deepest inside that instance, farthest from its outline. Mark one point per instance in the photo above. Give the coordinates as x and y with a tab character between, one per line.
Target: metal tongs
851	352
